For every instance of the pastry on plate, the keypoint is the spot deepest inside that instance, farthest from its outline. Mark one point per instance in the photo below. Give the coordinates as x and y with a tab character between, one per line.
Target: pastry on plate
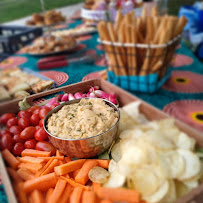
21	94
42	86
4	95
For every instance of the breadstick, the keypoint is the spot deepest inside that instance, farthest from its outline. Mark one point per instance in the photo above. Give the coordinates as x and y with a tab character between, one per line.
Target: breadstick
104	35
154	11
118	52
119	18
156	67
145	67
134	50
150	30
180	26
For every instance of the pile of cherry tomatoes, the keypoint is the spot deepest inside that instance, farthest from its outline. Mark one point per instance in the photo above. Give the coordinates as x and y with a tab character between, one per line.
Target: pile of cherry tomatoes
25	130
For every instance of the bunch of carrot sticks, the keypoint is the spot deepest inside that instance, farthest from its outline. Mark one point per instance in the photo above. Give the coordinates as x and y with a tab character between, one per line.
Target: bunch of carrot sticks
39	177
147	29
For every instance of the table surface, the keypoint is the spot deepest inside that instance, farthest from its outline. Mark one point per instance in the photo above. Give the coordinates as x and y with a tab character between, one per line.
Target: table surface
181	96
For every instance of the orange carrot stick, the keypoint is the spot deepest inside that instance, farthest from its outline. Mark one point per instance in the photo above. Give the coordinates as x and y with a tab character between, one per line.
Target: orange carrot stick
96	186
82	176
49	194
40	183
35	153
52	157
66	194
67	159
119	194
75	173
10	159
50	168
66	175
88	196
74	184
76	195
37	197
106	201
29	159
14	175
58	153
58	191
44	168
25	174
34	168
104	163
22	197
69	167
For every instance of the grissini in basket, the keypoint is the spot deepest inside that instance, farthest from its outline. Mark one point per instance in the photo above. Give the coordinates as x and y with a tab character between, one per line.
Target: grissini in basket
119	18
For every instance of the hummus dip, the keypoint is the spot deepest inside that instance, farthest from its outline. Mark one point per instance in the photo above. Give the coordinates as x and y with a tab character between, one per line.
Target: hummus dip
85	119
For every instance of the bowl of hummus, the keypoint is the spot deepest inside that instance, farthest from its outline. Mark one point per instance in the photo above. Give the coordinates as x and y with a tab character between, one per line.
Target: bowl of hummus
83	128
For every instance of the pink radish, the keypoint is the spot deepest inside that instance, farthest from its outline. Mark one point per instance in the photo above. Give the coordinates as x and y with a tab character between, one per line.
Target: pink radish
88	94
101	94
78	95
60	97
52	101
92	95
70	97
92	89
84	95
65	97
112	95
114	101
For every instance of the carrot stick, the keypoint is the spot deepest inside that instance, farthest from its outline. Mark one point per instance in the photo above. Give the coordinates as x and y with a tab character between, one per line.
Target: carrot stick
35	153
58	153
58	191
22	197
50	168
61	162
118	194
67	159
75	173
76	195
10	159
52	157
69	167
40	183
25	174
96	186
74	184
82	177
104	163
66	194
14	175
44	168
29	159
49	194
106	201
34	168
66	175
37	197
88	196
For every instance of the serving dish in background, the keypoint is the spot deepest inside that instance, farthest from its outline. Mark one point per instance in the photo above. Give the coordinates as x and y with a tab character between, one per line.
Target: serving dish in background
124	98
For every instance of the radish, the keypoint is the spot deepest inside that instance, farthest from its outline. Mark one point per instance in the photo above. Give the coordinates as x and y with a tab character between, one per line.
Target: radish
65	97
101	94
88	94
92	89
70	97
92	95
78	95
112	95
84	95
60	97
52	101
114	101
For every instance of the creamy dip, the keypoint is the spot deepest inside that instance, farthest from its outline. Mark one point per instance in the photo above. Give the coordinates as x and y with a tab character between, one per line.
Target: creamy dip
85	119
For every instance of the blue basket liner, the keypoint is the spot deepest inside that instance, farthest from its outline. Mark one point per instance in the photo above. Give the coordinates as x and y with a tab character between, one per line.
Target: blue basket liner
149	83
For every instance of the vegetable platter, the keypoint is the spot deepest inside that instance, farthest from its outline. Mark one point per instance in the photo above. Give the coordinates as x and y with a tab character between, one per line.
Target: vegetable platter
81	188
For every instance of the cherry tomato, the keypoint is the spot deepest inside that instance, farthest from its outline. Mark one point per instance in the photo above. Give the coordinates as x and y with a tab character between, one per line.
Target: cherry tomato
6	142
11	122
28	133
44	111
5	117
32	108
15	130
24	114
4	131
37	127
41	134
41	122
34	119
30	144
17	138
36	111
18	148
46	146
24	122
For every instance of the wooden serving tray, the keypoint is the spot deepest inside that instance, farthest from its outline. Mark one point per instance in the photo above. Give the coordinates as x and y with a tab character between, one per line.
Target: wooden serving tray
152	113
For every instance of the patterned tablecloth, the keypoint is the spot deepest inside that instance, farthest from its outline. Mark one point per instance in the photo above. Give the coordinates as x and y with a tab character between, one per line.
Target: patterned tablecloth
181	96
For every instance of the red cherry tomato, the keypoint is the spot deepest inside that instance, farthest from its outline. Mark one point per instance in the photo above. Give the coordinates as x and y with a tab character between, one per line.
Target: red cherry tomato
44	111
37	127
15	130
33	108
41	122
18	148
24	122
30	144
28	133
5	117
36	111
11	122
24	114
46	146
41	134
17	138
34	119
4	131
6	142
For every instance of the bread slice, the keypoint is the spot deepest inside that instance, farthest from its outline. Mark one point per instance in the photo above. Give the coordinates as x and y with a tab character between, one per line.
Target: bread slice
4	95
21	94
10	71
42	86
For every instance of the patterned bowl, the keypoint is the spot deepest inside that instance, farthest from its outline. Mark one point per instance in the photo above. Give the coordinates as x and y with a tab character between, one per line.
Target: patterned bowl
86	147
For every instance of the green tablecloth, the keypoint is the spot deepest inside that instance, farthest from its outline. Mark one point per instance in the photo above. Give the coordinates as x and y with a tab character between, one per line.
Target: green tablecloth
181	96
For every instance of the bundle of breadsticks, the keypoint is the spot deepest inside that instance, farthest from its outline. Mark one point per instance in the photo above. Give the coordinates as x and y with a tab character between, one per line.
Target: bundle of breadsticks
129	42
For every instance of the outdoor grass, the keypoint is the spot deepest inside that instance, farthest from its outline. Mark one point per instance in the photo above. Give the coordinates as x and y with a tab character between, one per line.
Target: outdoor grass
14	9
